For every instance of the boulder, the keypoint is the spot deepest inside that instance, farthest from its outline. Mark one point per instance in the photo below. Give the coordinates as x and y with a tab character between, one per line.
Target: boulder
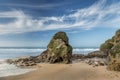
95	64
102	63
58	50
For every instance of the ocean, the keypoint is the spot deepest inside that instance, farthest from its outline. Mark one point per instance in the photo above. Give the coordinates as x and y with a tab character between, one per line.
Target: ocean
16	52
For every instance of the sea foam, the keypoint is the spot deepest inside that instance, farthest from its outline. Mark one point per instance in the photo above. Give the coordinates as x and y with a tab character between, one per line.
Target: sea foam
10	69
84	50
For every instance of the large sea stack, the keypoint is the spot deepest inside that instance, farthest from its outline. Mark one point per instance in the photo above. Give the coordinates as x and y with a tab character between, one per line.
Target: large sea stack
58	50
112	48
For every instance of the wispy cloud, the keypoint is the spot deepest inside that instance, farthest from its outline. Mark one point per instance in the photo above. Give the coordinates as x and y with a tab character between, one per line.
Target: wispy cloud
97	15
35	6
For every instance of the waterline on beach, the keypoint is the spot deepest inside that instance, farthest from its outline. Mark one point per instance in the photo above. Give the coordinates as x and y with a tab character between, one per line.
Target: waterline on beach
10	53
10	69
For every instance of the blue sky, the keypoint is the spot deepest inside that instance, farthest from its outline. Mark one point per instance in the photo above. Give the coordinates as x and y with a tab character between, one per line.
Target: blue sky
32	23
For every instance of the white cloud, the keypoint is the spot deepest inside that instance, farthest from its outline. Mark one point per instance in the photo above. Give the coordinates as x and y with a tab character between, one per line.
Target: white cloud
97	15
35	6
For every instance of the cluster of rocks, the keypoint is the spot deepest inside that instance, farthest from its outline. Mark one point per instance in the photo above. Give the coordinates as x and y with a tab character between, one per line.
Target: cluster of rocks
32	61
97	54
96	58
58	51
78	56
96	62
23	62
112	48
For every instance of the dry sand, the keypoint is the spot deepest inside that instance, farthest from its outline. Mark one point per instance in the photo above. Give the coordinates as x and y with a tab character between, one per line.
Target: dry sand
75	71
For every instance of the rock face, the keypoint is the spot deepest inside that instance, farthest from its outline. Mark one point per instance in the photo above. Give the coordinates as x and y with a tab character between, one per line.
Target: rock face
58	50
112	48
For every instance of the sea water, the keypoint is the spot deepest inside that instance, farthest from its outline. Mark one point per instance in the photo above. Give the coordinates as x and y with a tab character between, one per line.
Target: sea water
16	52
10	69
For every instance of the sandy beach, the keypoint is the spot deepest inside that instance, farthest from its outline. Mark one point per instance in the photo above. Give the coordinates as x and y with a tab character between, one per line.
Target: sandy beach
59	39
75	71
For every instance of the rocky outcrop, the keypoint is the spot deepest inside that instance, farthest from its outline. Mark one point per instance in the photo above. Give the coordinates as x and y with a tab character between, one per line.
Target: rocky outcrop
94	54
58	50
99	54
112	48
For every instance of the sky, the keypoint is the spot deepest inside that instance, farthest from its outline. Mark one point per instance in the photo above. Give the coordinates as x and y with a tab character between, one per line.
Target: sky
32	23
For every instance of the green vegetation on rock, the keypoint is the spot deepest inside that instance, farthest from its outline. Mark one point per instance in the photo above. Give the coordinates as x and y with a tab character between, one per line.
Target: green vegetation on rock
112	48
61	35
105	47
59	49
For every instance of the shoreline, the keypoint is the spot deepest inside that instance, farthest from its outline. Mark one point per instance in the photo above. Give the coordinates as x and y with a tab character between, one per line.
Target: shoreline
83	67
74	71
7	69
76	59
